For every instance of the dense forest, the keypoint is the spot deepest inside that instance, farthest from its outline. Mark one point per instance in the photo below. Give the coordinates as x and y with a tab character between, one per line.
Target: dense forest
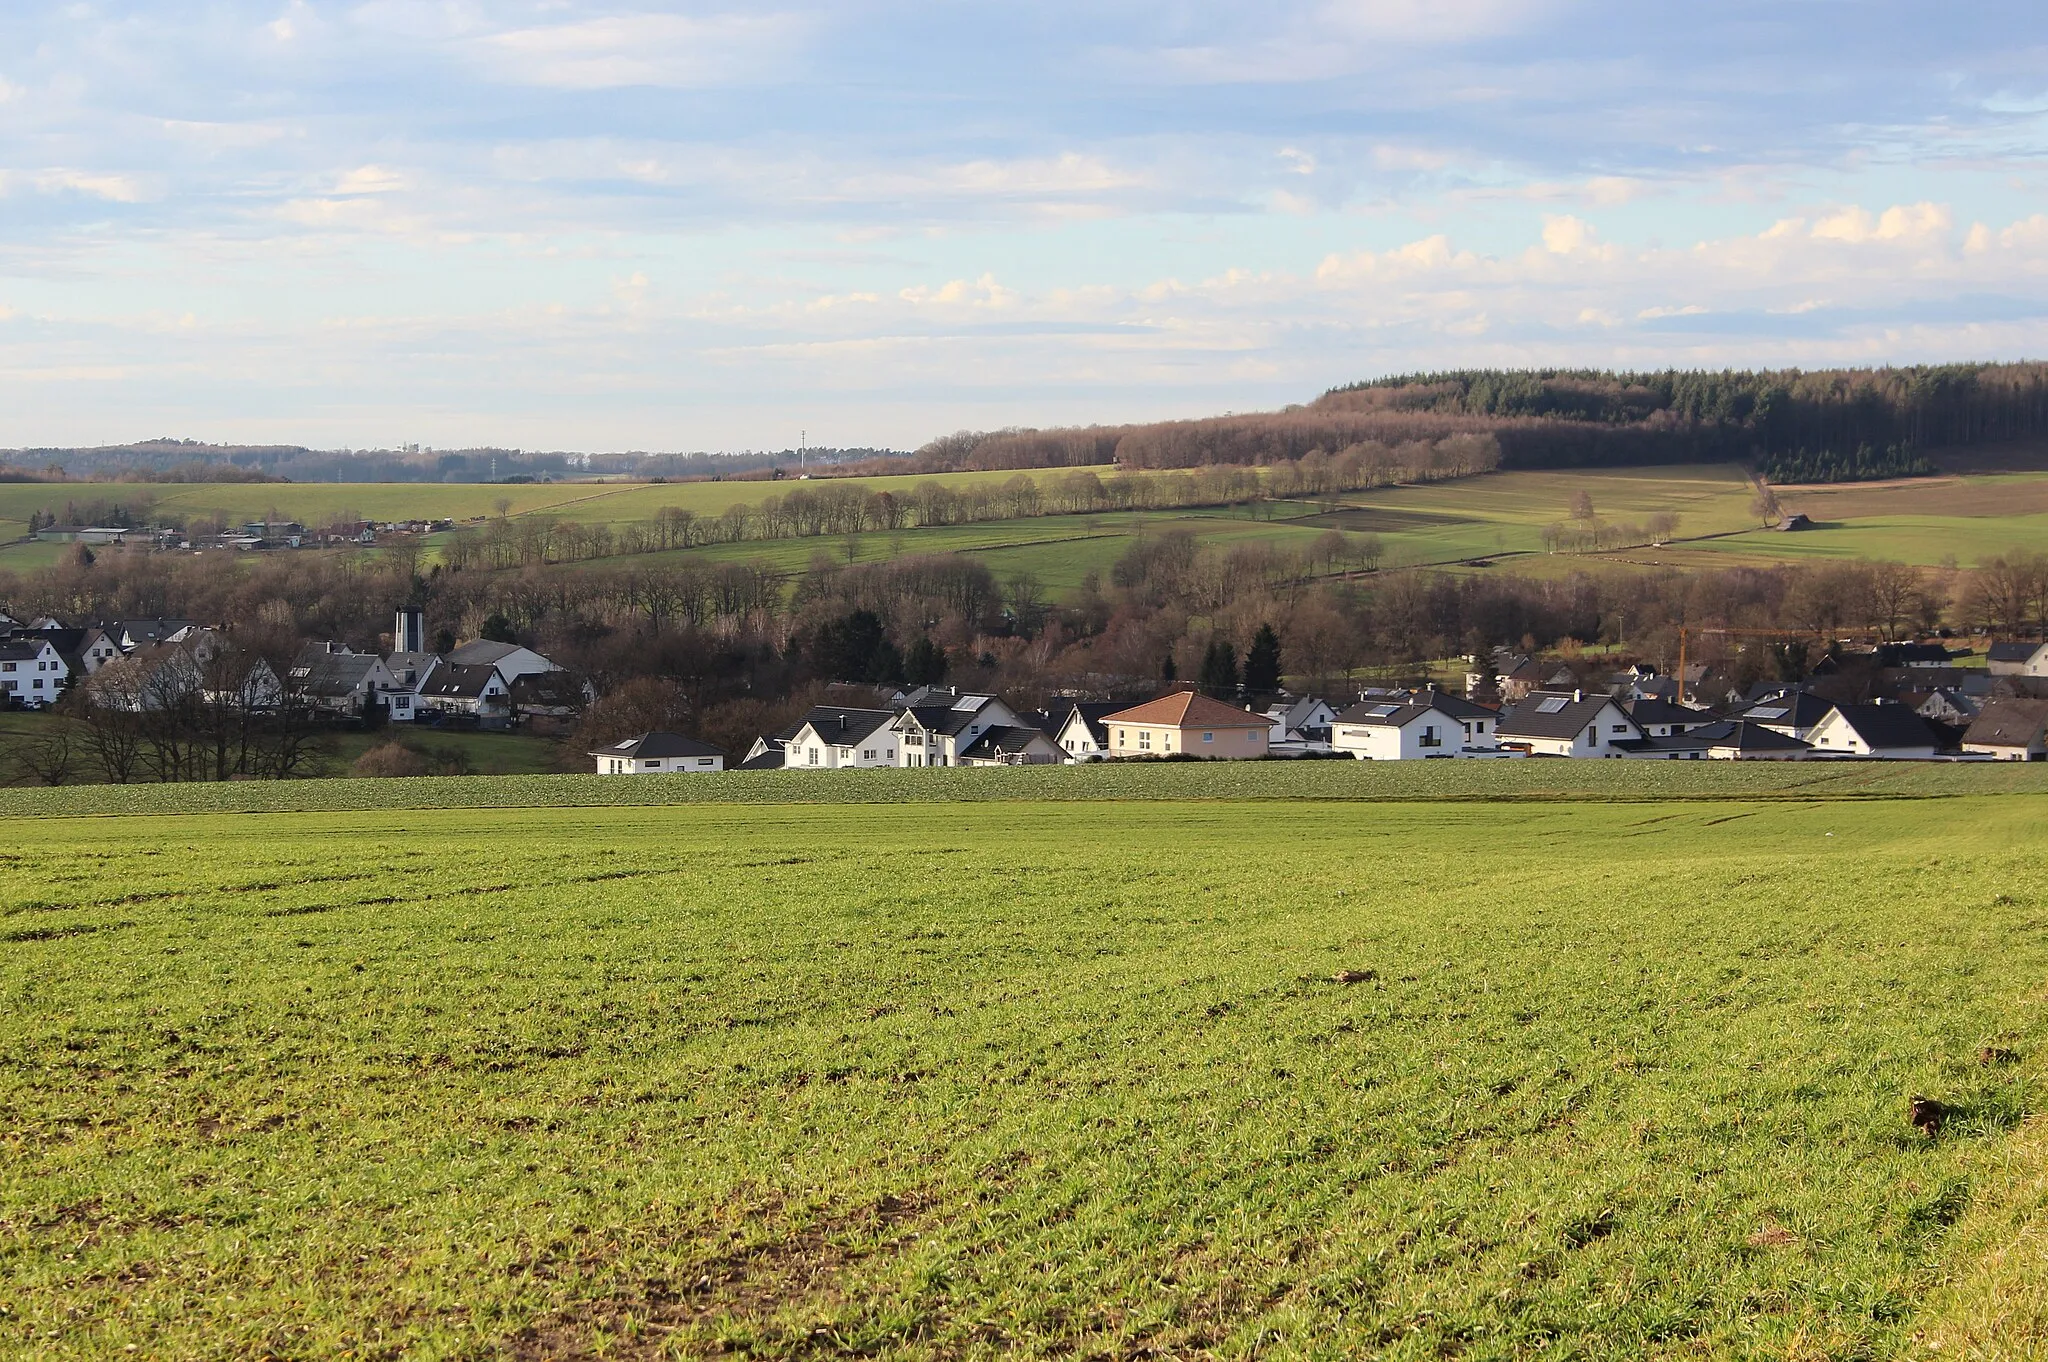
1576	418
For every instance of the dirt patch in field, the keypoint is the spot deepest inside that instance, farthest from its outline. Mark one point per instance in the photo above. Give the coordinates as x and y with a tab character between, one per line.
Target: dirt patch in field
750	1290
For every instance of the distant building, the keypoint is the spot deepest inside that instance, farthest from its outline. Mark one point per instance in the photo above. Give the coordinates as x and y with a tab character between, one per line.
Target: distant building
658	754
1191	724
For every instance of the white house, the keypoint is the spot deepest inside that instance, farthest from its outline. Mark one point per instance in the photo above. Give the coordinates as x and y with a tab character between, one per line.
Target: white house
938	726
480	691
1568	724
1305	720
1007	745
32	671
511	660
332	678
1077	727
2009	729
1889	731
658	754
1389	731
2017	659
1792	711
830	738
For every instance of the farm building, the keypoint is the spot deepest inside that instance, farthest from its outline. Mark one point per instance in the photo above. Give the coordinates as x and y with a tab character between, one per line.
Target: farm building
658	754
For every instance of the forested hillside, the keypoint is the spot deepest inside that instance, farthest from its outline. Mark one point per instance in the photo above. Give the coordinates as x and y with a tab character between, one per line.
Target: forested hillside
1575	418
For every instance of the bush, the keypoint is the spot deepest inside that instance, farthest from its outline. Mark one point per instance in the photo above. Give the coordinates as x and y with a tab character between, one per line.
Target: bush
391	759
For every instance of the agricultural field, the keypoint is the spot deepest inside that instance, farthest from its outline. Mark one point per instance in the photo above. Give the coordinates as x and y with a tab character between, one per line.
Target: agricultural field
1499	518
1315	1060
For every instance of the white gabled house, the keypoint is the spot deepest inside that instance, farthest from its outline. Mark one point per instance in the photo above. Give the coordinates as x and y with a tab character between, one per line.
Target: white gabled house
1389	731
478	691
1887	731
937	727
658	754
830	738
1007	745
511	660
1076	726
32	671
1568	724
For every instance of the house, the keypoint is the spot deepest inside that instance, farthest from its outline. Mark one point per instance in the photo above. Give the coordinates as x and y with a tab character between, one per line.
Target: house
409	671
1568	724
153	678
1740	740
84	651
2010	729
1186	722
1012	745
1305	721
1945	705
1390	731
1076	726
2018	659
658	754
1663	719
763	758
128	635
511	660
465	692
937	726
329	677
1791	710
32	671
1913	655
550	699
1889	731
831	738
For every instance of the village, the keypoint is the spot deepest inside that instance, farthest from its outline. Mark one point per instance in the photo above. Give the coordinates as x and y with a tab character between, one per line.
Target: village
1913	702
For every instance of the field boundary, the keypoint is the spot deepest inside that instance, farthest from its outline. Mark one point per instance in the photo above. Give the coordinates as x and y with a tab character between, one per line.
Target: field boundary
1218	782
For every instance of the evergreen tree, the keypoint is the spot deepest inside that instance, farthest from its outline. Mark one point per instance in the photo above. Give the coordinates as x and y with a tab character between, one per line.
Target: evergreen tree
1262	663
1167	671
498	629
925	665
1219	670
856	647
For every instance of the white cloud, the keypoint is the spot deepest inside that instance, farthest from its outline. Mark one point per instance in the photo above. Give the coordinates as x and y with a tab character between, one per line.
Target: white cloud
644	49
370	180
91	184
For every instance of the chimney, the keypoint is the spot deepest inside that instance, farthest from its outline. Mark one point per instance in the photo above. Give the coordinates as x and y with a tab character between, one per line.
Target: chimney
1578	695
409	631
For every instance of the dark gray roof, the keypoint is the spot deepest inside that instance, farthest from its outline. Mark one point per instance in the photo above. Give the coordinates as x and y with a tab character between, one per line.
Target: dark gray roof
1061	712
1004	741
771	760
333	674
1386	714
950	719
2013	652
21	649
1552	714
549	690
2009	723
146	631
651	745
1747	737
482	653
458	683
1654	711
1791	708
1888	726
842	727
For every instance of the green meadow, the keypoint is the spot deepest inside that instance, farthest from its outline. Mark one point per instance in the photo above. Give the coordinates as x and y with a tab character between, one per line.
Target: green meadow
1310	1060
1498	518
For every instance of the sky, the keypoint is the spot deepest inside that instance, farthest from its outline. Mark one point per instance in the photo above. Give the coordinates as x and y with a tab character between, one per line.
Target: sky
551	224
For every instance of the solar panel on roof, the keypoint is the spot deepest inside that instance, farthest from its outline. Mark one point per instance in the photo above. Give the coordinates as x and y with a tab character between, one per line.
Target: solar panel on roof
1553	705
1767	713
1380	711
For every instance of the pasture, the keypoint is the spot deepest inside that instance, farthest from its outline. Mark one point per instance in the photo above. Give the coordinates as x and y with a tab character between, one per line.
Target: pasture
1029	1062
1499	517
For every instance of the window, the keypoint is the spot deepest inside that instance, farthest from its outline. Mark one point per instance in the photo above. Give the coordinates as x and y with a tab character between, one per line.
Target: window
1208	737
1621	728
1145	739
814	755
704	761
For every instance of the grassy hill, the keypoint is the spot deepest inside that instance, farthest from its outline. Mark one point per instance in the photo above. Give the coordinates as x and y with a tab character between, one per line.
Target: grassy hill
1501	516
429	1068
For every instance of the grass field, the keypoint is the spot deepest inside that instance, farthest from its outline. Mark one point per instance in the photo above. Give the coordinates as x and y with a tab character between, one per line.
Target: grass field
728	1065
1499	517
